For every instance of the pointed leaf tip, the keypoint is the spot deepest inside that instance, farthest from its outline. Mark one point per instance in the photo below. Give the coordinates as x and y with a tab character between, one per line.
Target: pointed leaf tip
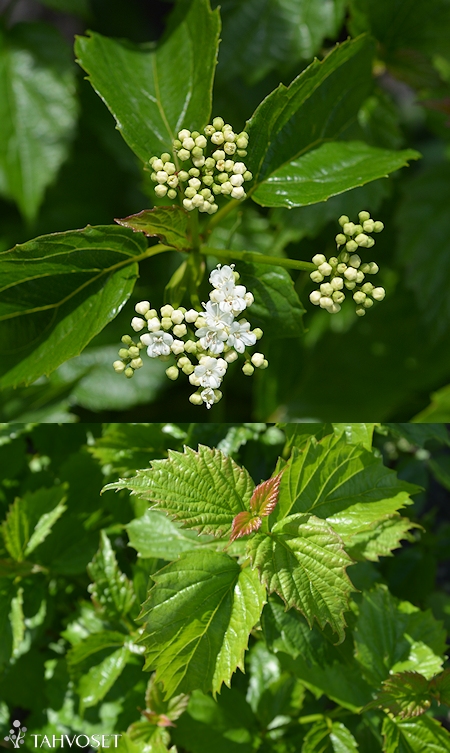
265	496
243	524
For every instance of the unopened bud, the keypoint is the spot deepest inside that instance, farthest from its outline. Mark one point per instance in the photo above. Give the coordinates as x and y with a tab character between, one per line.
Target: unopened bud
319	259
325	269
179	330
136	363
126	339
326	288
257	359
340	239
362	239
142	307
258	333
338	296
248	369
351	246
349	228
378	293
195	399
123	353
151	313
231	356
355	261
325	302
360	311
177	316
363	216
359	296
166	322
119	367
350	274
129	372
177	347
172	372
368	225
343	219
337	283
154	325
137	324
133	352
378	226
316	276
315	297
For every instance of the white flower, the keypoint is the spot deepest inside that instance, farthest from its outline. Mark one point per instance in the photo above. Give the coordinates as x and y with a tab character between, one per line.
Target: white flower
221	276
208	397
231	298
240	336
159	343
216	318
212	338
210	371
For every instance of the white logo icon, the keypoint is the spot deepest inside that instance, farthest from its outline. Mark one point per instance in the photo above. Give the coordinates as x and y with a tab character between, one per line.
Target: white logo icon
15	735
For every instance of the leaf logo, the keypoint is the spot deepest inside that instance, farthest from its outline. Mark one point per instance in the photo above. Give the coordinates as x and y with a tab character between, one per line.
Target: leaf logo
15	735
262	503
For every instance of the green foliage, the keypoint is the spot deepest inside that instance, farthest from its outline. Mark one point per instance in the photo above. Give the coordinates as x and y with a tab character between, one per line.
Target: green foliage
134	621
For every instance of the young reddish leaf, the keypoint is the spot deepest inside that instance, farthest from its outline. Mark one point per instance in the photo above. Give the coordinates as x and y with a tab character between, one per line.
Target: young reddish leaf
440	687
244	523
265	496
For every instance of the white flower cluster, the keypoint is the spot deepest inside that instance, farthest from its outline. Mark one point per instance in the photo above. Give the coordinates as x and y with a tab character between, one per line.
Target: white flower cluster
214	337
207	170
347	270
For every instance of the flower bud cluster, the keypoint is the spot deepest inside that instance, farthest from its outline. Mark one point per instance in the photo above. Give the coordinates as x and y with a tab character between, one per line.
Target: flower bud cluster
347	271
207	165
202	343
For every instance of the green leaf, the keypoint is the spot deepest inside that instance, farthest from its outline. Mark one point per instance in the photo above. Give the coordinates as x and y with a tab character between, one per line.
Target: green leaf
404	695
198	618
272	693
15	530
439	409
6	637
415	736
155	535
297	435
356	433
260	35
394	636
329	170
58	291
111	589
30	520
95	684
169	224
125	446
317	106
333	738
75	7
155	703
203	489
380	539
152	94
419	435
344	483
302	559
93	644
38	111
16	617
44	525
440	687
277	308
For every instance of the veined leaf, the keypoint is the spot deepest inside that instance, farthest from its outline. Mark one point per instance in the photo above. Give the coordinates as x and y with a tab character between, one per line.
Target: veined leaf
302	559
30	520
394	636
415	736
317	106
16	618
155	535
204	489
111	589
93	644
198	618
44	526
346	484
380	539
265	496
169	224
244	523
329	170
356	433
153	93
38	111
335	738
404	695
440	687
57	292
94	685
15	530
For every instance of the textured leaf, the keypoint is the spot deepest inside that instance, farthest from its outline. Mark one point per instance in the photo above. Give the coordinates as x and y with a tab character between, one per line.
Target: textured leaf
356	433
335	738
111	589
124	446
198	618
94	685
169	224
394	636
38	111
155	535
317	106
415	736
438	410
303	561
57	292
155	703
440	687
44	525
203	489
259	35
93	644
327	171
30	520
16	617
15	530
404	695
344	483
152	94
277	308
419	435
297	435
265	496
244	523
380	539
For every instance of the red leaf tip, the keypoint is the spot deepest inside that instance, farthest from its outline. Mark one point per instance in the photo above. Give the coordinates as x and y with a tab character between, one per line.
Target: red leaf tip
243	524
265	496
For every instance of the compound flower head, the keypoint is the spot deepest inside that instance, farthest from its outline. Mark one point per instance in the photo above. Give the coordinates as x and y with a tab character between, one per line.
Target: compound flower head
212	338
210	371
230	297
159	343
222	275
216	318
240	337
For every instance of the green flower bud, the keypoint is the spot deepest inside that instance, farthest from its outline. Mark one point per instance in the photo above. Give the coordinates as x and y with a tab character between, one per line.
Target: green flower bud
319	259
337	283
370	242
357	229
340	239
133	352
350	274
341	268
195	399
378	226
365	268
248	369
183	175
367	288
179	330
316	276
123	353
218	123
315	297
119	367
343	219
136	363
187	368
150	314
247	175
359	276
216	189
368	225
354	261
241	152
344	256
338	296
126	339
326	288
194	172
258	333
190	192
264	364
368	303
184	155
171	194
209	130
361	239
129	372
350	285
172	372
325	269
363	216
160	191
190	347
360	311
197	152
166	322
218	395
351	246
208	180
377	293
349	228
373	268
359	296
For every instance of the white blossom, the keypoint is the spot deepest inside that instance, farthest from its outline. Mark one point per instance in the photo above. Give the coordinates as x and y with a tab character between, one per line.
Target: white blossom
212	338
208	397
231	298
240	337
210	371
221	275
215	317
159	343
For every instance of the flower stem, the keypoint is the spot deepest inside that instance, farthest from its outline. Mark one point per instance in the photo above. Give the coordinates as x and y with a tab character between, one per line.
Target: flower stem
252	256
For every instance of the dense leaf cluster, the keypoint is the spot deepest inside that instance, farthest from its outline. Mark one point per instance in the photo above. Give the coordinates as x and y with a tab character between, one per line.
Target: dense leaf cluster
164	617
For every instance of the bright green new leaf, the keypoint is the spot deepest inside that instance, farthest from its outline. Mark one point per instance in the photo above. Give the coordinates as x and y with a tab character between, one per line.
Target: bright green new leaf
333	738
38	111
44	526
439	408
344	483
94	685
155	535
356	433
93	644
302	559
329	170
16	618
58	291
110	589
125	447
317	106
394	636
297	435
30	520
277	308
204	489
415	736
15	530
197	621
380	539
153	93
169	224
